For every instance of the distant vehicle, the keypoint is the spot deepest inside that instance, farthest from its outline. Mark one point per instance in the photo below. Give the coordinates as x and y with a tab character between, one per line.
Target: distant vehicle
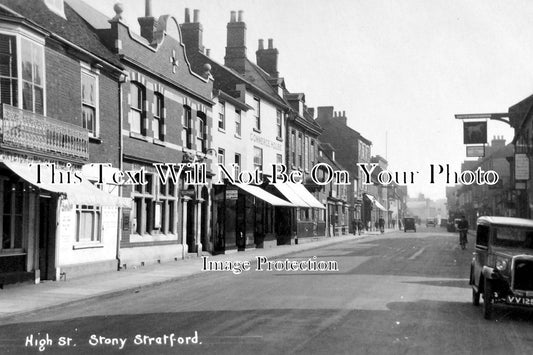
409	224
502	267
430	223
443	222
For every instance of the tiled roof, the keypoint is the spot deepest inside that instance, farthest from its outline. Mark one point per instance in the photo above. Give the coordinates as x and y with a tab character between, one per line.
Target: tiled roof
74	29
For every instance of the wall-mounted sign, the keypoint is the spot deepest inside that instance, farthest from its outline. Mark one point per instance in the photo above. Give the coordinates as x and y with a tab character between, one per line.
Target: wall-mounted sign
475	132
520	185
232	194
126	219
521	166
475	151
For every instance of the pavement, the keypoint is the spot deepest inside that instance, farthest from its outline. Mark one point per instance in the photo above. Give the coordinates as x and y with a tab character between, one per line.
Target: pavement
28	298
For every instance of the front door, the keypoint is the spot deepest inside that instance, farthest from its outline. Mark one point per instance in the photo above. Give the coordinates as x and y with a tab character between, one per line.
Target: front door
191	231
46	238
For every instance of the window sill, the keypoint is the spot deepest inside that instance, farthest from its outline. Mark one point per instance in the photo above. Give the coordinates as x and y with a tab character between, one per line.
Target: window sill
237	136
257	130
279	139
139	136
221	130
159	142
13	252
87	246
96	140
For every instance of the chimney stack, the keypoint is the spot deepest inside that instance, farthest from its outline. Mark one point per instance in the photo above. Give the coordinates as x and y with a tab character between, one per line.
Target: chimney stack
267	59
235	57
147	22
324	113
192	32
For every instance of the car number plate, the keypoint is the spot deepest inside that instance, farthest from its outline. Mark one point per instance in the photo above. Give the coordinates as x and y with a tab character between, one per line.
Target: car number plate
524	301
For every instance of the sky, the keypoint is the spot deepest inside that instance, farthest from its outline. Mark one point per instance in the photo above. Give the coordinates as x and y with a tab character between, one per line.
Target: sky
400	69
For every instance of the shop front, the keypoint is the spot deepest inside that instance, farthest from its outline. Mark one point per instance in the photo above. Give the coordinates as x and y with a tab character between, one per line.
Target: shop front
247	215
54	229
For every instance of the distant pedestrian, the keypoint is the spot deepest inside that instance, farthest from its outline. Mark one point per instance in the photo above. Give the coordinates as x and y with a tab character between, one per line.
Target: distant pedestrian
381	225
376	225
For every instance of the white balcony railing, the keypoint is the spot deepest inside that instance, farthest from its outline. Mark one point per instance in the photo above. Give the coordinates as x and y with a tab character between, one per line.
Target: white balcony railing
32	132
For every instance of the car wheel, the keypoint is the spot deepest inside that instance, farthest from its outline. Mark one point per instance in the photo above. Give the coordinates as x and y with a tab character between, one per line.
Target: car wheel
487	300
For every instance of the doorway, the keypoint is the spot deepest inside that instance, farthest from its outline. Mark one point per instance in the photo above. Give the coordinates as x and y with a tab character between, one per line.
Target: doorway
191	237
47	217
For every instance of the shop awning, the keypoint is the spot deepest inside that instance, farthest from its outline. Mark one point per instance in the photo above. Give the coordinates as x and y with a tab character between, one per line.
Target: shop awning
305	195
263	195
79	193
291	195
375	202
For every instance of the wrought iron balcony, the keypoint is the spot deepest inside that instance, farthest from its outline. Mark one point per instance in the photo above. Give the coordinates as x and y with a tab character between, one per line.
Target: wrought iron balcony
33	133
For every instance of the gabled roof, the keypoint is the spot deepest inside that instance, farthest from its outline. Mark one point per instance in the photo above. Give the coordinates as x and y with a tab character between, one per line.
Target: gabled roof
259	77
73	29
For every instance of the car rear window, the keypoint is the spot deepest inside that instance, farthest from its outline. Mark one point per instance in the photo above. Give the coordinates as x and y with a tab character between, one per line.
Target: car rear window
514	237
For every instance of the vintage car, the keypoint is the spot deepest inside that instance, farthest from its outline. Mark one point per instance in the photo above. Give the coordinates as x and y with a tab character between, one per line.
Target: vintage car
502	266
409	224
430	222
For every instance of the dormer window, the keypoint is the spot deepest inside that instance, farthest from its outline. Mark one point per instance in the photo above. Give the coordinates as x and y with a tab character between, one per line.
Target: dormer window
56	6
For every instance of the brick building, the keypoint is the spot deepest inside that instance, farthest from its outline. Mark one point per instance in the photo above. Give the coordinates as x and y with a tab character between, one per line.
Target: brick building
351	148
59	96
166	117
250	131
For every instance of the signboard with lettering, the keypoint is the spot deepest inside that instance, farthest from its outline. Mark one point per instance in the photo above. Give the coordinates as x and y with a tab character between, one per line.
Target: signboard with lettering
126	219
521	166
232	194
475	151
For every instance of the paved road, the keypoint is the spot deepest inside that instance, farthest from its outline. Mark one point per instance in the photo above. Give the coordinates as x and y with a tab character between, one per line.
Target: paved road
400	293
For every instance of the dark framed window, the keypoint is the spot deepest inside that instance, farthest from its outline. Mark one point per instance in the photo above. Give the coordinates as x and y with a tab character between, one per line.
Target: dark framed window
12	215
187	127
159	119
8	70
238	123
222	115
257	114
88	224
279	123
138	95
201	132
258	158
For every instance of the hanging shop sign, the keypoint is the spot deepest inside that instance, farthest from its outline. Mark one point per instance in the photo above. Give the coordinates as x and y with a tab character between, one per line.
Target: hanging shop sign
475	132
521	166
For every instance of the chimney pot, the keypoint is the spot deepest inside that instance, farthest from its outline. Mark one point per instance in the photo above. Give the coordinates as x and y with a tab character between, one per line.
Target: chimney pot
196	16
187	15
232	17
270	43
343	113
240	16
207	52
261	44
148	8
